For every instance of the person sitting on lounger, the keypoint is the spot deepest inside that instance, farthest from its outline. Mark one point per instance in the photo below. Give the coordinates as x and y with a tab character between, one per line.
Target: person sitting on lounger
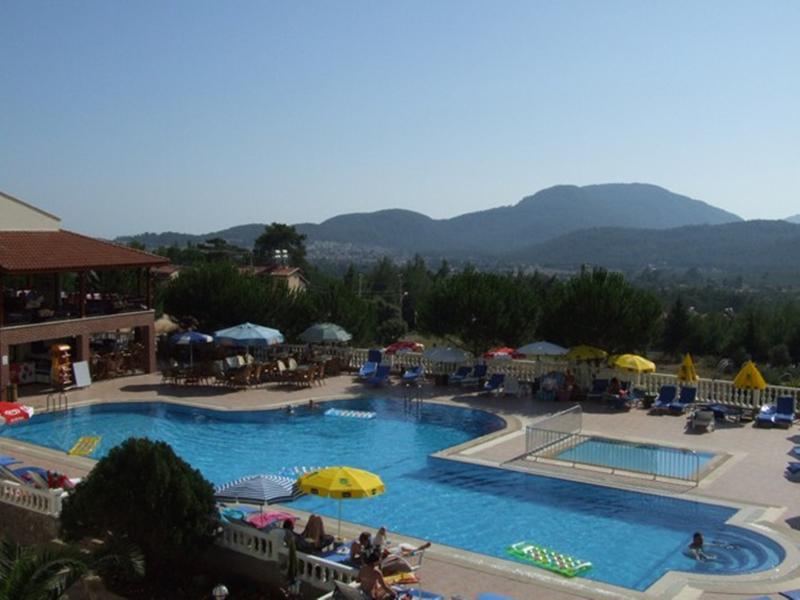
314	533
360	549
615	388
696	547
372	582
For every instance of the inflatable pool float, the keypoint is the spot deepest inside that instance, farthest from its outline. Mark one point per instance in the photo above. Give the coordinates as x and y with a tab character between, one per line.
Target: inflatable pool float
356	414
551	560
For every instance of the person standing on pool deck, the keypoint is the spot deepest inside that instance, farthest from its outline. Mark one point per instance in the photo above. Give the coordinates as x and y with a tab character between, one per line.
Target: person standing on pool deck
696	547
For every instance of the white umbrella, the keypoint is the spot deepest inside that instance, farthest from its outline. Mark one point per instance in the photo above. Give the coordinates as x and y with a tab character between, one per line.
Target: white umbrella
190	338
542	349
445	355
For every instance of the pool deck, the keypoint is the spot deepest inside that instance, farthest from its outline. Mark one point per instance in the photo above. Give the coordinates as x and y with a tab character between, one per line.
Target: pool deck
752	473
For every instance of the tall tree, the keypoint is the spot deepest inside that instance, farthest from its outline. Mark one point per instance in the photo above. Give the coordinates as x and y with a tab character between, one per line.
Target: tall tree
601	308
278	237
677	328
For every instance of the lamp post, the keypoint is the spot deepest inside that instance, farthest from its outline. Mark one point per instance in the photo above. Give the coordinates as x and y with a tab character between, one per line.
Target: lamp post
220	592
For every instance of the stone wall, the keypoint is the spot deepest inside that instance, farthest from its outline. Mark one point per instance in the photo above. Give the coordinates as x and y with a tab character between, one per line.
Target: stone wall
26	527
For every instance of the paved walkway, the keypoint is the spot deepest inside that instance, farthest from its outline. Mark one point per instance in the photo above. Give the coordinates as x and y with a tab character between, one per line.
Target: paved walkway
751	473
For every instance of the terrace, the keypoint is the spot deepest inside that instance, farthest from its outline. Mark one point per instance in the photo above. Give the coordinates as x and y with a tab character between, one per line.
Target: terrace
60	287
751	474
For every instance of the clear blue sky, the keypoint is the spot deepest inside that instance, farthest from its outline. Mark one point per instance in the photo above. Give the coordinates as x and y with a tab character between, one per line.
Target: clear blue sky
123	117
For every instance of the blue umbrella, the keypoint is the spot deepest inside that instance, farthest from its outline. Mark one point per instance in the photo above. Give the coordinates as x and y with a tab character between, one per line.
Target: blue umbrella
259	489
190	338
248	334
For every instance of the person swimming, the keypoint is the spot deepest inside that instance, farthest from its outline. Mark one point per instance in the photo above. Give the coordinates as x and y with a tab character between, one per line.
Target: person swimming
696	548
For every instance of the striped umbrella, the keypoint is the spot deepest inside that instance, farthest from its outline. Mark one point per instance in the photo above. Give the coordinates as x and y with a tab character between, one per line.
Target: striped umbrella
259	489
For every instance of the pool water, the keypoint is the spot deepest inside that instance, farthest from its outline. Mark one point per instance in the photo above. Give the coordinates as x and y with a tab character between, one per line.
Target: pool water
631	538
642	458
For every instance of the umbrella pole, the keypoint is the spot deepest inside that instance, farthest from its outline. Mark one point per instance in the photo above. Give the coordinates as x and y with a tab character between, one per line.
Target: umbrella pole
339	533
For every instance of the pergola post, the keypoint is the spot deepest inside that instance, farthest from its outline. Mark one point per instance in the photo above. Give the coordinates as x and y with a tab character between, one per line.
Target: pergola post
82	292
2	302
149	285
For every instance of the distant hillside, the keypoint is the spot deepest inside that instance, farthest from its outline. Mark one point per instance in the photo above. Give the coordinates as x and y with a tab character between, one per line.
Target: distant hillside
766	245
794	219
545	215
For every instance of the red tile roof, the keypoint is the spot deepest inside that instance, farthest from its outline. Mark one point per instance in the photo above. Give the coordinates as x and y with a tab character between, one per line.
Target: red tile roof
51	251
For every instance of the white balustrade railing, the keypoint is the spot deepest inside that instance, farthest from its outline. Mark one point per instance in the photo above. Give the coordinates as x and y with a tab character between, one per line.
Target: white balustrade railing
716	390
314	570
44	502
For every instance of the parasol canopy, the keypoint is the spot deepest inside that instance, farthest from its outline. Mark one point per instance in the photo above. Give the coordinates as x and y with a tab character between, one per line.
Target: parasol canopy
581	353
341	483
320	333
633	363
249	334
445	355
502	353
403	346
749	378
687	372
259	489
542	349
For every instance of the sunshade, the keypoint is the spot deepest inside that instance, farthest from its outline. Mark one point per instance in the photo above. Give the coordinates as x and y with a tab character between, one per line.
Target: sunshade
320	333
165	324
687	372
502	353
586	353
445	355
12	412
403	346
190	338
341	483
634	363
542	349
259	489
249	334
749	378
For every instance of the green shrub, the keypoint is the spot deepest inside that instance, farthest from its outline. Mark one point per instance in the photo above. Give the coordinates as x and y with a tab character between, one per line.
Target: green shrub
143	493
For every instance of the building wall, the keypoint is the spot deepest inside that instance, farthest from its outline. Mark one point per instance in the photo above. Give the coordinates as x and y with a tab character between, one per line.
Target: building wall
80	329
18	216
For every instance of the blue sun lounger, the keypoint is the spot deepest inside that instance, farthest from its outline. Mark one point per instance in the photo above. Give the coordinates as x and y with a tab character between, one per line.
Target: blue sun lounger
666	396
474	378
381	375
369	368
495	383
459	375
781	413
414	374
686	398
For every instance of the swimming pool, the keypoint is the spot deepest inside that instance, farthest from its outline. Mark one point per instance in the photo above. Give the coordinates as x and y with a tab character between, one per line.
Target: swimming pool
632	538
642	458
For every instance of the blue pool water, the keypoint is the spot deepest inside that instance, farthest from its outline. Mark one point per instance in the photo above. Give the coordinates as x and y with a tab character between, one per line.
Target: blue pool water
632	538
642	458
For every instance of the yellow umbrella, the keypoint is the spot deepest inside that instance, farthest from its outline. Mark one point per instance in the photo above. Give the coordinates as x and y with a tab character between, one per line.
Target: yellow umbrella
633	362
586	353
341	483
749	378
687	372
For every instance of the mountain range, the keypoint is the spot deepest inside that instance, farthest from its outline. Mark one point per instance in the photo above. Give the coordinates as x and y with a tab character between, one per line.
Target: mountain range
496	231
621	226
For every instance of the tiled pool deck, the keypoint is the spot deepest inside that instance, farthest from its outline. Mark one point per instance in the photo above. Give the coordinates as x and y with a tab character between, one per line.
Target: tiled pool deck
752	475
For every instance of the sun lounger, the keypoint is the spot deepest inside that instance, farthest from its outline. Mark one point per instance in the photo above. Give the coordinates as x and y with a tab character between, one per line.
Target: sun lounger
495	383
666	396
381	375
784	411
686	398
701	419
413	375
459	375
474	378
598	389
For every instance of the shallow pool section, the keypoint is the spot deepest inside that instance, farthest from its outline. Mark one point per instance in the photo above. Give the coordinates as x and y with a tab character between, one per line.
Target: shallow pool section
641	458
631	538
